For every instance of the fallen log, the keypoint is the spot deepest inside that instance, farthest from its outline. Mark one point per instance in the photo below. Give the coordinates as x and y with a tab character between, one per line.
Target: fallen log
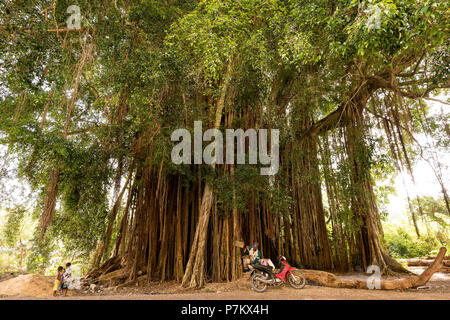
424	263
330	280
434	257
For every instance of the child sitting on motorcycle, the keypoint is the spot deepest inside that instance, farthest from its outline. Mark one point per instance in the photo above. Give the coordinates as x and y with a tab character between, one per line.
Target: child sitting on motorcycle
253	252
254	256
251	255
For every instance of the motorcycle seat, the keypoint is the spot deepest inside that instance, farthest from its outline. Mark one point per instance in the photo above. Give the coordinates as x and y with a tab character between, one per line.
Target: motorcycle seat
261	267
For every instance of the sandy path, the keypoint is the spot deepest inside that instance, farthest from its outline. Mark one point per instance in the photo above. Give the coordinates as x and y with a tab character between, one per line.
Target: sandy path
284	293
439	289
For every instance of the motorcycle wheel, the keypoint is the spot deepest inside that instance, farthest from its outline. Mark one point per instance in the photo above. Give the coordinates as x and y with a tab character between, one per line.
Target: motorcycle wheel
256	283
296	279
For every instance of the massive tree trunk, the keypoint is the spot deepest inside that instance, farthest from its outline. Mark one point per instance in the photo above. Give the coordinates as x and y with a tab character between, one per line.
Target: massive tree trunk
194	274
340	256
311	245
165	231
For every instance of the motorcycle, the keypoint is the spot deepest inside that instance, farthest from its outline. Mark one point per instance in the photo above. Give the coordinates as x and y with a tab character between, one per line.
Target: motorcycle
263	276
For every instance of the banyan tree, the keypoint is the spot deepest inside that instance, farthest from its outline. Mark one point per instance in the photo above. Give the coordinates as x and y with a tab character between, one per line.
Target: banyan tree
90	112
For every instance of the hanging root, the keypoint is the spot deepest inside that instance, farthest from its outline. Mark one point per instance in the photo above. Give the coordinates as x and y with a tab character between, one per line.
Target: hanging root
49	203
330	280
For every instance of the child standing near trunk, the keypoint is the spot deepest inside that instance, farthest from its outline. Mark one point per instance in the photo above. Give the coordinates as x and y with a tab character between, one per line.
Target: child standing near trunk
66	279
58	279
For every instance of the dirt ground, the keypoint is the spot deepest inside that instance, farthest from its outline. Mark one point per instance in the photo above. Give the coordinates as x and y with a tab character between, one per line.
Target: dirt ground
438	288
33	285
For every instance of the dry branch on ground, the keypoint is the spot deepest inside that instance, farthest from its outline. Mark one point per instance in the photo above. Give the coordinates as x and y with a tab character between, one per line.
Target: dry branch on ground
330	280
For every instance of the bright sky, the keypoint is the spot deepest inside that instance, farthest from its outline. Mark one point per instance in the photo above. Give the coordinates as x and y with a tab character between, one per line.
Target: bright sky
426	182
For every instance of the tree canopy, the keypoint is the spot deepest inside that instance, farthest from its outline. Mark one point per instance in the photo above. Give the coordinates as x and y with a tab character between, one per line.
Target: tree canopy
89	113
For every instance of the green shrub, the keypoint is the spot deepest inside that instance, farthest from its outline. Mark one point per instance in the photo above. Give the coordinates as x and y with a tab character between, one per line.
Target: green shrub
401	244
